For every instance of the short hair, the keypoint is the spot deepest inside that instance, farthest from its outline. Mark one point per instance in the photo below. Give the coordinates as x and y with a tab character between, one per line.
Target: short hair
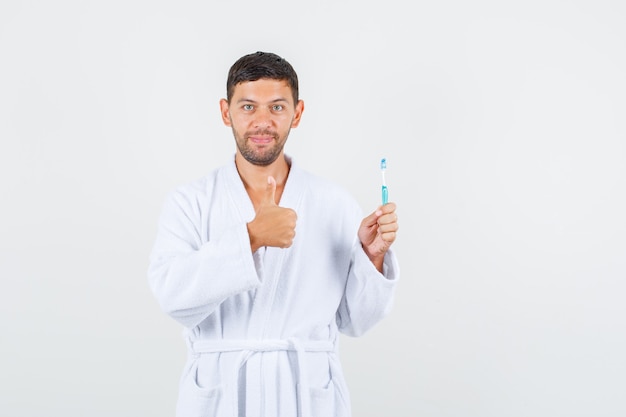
260	65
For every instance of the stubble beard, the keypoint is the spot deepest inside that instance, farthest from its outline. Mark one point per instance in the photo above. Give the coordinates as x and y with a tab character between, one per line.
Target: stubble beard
259	155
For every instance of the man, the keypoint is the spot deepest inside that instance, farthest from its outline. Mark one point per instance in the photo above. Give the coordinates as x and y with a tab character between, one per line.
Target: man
264	264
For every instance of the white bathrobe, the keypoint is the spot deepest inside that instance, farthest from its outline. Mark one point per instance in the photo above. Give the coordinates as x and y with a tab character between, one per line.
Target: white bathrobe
262	328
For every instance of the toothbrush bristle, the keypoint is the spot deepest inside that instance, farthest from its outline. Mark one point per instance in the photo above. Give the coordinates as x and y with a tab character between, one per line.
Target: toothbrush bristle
383	163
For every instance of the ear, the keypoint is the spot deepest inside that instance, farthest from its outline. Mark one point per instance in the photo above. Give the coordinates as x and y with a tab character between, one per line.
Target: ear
224	110
298	113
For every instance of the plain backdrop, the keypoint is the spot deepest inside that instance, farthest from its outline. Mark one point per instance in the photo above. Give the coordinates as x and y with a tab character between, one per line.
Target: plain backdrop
503	124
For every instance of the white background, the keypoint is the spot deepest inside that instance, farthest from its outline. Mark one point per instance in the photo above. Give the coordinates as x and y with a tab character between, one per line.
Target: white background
503	125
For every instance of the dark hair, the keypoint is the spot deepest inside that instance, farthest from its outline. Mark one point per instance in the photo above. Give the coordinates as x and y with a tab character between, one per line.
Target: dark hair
261	65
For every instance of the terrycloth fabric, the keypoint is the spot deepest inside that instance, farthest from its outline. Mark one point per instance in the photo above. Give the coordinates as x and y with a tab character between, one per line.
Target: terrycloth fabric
262	328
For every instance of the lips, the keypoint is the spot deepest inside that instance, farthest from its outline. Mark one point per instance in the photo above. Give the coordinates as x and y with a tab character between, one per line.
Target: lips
261	137
261	140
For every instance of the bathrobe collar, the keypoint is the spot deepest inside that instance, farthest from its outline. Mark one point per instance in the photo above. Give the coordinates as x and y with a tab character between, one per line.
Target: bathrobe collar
292	193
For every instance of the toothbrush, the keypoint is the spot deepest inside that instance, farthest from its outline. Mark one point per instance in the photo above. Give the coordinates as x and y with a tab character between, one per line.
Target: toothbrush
383	167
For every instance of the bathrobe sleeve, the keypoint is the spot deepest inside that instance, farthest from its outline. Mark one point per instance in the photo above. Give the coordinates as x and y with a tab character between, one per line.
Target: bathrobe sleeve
190	276
368	295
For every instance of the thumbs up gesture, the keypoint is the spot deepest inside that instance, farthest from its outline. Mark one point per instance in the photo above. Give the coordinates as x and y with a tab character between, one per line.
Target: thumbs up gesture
272	225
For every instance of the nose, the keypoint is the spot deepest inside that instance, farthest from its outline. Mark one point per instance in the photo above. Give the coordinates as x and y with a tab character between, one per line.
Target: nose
262	118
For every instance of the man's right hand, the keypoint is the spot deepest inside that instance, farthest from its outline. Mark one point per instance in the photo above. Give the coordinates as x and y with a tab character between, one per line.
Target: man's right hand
272	225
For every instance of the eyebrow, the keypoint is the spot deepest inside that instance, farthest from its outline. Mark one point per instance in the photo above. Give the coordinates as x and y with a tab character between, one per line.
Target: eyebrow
248	100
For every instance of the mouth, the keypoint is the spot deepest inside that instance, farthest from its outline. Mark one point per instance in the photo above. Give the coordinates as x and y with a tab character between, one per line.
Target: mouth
261	138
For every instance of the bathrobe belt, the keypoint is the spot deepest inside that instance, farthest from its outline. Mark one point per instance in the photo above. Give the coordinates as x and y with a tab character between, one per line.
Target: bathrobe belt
250	347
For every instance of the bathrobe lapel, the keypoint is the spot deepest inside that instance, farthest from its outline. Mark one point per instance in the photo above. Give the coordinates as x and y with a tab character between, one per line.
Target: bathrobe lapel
291	197
268	260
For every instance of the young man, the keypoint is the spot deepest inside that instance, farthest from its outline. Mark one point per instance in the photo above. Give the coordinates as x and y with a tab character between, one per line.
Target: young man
264	264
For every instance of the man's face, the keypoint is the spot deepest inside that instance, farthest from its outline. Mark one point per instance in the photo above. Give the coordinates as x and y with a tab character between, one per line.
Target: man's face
261	114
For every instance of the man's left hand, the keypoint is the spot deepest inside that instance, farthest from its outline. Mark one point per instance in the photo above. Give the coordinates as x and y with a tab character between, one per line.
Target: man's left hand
377	232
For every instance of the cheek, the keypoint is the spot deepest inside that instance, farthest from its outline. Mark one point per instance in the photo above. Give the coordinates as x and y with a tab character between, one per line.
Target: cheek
239	120
286	120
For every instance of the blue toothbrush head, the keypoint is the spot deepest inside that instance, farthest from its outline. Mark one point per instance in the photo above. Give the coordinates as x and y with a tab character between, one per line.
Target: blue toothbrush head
383	163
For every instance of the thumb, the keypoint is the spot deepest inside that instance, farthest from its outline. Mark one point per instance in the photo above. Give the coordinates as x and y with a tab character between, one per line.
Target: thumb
270	192
372	219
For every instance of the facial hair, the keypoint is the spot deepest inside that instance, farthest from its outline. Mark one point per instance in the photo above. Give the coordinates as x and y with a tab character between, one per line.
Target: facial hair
259	155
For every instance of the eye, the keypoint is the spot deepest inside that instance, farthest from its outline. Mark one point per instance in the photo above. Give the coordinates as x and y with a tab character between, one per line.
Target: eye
248	107
277	107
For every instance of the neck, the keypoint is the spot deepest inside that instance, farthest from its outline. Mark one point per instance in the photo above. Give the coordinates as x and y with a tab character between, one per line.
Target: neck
254	177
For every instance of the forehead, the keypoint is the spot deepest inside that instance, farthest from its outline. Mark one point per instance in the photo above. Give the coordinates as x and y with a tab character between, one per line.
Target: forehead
263	90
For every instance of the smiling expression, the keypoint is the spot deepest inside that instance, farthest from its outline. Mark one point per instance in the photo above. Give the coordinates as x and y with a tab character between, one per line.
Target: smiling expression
261	114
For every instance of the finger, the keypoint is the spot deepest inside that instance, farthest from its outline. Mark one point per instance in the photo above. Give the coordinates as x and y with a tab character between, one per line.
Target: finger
388	219
388	208
388	237
270	192
294	215
388	227
372	219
